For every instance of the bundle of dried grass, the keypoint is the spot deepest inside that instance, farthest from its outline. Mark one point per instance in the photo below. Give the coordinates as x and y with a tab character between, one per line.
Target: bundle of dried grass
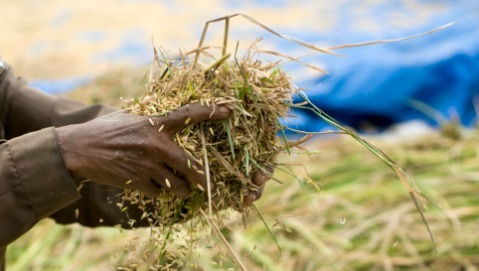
234	149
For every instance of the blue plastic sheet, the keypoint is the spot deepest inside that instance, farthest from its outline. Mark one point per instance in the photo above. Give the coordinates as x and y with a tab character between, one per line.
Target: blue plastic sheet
380	85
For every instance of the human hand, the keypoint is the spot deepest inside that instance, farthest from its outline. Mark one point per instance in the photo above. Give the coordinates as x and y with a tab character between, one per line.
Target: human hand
128	151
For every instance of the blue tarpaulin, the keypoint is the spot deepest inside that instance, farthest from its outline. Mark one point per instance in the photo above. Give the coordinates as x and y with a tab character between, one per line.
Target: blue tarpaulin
384	84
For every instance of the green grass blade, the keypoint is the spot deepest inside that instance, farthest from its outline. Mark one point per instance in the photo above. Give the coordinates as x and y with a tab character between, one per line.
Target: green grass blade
407	182
268	229
230	138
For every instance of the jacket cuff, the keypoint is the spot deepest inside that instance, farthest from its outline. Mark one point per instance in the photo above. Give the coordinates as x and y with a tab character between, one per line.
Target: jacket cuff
42	171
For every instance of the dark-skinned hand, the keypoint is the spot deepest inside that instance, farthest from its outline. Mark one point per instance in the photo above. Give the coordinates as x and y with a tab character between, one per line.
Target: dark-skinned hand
125	150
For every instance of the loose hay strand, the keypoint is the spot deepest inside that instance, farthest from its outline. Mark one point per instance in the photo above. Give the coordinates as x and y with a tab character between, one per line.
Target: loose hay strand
256	22
223	239
207	169
367	43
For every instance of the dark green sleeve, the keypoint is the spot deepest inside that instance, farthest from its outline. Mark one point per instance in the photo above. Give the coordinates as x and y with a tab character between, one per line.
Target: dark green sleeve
34	182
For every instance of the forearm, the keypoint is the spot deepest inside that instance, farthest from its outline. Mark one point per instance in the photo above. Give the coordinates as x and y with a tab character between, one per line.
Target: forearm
34	184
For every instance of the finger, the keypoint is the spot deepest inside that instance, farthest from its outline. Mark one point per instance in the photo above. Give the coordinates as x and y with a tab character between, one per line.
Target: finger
150	189
253	196
172	182
259	179
182	162
193	113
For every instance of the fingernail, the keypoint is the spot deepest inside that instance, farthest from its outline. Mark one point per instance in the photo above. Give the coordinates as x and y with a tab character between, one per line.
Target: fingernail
249	199
224	109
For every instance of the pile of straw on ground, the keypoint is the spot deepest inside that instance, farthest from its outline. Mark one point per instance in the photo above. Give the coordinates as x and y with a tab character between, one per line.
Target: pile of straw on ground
360	220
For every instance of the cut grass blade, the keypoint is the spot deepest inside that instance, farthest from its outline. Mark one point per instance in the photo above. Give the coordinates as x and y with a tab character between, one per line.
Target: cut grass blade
246	162
266	226
290	172
352	45
283	134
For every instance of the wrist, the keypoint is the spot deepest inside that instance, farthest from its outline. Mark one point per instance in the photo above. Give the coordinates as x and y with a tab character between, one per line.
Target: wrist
69	150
